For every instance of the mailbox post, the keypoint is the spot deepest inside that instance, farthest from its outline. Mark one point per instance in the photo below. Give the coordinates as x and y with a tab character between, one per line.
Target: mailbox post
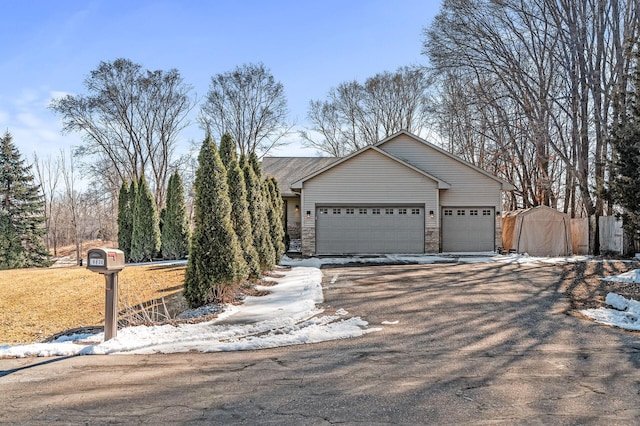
108	262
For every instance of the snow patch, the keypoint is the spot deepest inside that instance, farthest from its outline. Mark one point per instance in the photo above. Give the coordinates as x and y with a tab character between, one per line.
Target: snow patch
288	315
426	259
627	277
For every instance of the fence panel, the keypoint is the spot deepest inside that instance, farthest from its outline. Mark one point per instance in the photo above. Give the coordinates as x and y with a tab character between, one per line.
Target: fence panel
611	235
580	235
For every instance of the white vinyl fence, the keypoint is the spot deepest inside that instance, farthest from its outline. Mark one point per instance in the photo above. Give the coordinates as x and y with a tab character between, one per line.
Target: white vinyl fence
611	235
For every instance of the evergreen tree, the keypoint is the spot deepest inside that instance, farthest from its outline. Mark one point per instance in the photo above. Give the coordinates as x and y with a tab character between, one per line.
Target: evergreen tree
228	150
255	165
276	219
240	217
21	212
625	185
175	230
258	212
125	218
145	238
216	264
133	195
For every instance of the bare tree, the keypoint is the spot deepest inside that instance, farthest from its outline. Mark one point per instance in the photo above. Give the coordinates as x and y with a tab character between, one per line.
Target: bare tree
130	120
356	115
73	201
557	66
250	105
47	176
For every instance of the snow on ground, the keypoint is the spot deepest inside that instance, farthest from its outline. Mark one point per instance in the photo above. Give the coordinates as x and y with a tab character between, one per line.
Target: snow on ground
288	315
425	259
627	277
623	313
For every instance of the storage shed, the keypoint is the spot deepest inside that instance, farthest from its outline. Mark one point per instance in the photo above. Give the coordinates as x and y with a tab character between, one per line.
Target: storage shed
538	231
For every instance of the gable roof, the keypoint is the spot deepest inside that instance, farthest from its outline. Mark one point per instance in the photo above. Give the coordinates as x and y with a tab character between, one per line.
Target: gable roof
441	184
288	170
506	186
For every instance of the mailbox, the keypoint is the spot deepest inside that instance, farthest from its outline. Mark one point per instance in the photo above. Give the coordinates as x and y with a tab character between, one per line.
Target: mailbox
105	261
108	262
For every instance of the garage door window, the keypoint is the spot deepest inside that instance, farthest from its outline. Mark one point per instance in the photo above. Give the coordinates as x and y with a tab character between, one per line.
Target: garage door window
324	211
337	211
473	212
415	211
402	211
349	211
448	212
388	211
362	211
460	212
486	212
375	211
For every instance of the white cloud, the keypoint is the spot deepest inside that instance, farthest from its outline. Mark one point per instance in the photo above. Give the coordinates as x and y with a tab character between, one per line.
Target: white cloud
34	127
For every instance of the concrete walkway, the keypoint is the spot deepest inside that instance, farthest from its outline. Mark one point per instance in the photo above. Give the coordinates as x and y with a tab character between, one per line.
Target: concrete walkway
485	343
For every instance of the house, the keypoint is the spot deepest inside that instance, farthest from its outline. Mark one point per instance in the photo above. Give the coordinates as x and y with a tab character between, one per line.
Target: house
402	195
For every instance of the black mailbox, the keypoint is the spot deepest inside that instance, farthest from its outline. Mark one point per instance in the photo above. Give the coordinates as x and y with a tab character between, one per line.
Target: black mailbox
105	261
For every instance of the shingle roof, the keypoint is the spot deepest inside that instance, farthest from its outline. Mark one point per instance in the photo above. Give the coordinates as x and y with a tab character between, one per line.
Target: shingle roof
287	170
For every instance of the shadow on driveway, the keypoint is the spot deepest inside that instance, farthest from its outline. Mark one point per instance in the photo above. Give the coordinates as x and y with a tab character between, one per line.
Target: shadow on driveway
483	343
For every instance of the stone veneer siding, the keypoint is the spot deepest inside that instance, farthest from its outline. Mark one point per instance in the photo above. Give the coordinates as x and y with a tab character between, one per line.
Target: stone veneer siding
308	241
293	229
431	240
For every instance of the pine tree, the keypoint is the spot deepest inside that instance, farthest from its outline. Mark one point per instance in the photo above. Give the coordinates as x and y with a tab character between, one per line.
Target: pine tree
175	230
216	264
125	218
625	185
145	238
276	218
258	211
240	217
21	212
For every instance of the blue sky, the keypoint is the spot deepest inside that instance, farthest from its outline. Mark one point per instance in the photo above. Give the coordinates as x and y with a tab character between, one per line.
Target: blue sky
49	47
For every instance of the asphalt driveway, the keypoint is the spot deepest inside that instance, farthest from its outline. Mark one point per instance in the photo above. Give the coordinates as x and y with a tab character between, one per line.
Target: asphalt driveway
485	343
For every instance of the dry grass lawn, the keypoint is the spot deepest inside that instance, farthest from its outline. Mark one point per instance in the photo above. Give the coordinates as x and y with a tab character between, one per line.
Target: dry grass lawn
36	304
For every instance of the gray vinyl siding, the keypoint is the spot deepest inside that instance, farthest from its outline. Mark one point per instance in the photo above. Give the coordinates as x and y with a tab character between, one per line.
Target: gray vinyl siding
469	187
369	178
293	216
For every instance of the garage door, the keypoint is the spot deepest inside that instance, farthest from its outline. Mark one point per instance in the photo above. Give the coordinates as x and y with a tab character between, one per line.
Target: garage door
468	229
365	229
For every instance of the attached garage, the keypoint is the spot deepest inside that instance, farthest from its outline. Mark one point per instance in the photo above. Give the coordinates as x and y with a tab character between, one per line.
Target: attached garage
401	195
369	229
468	229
